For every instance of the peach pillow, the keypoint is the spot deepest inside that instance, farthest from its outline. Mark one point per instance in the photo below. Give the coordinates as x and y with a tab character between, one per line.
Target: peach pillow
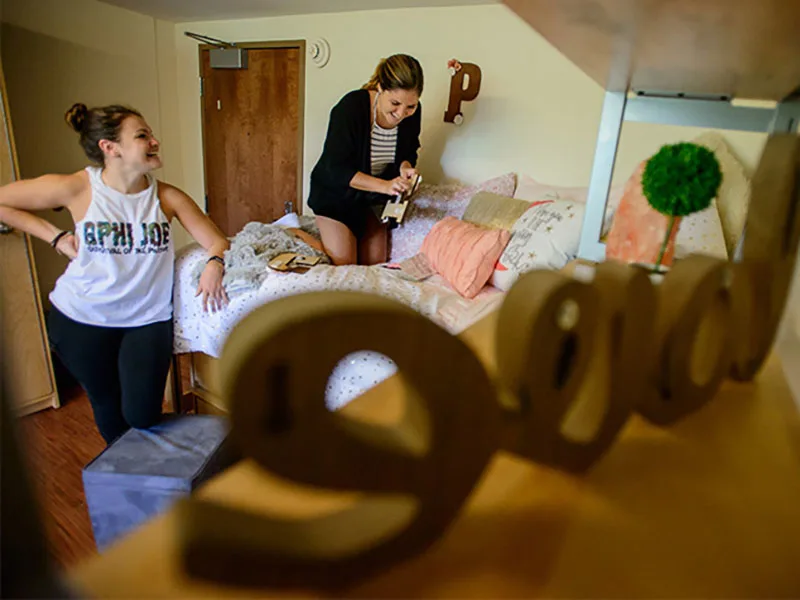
464	254
638	229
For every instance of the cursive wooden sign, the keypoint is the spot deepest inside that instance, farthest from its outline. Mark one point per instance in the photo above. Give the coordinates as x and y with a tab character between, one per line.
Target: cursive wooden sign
577	353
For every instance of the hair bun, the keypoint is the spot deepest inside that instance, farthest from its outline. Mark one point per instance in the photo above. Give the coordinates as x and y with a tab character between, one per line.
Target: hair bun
76	116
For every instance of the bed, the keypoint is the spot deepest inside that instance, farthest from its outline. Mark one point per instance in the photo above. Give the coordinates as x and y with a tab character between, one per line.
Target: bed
200	337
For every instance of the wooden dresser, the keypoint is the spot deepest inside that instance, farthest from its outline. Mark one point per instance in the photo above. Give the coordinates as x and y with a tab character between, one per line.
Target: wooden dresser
27	369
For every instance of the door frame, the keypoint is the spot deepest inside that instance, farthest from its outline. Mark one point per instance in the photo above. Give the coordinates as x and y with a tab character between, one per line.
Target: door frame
50	398
301	109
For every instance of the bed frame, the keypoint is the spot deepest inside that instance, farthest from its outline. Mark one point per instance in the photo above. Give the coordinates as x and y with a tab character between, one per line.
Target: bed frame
195	384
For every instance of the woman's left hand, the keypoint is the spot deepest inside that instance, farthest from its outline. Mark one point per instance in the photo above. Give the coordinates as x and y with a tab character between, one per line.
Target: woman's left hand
210	287
407	172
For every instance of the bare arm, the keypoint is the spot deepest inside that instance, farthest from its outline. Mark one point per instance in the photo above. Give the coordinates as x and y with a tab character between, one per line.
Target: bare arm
368	183
29	223
20	198
41	193
208	235
194	220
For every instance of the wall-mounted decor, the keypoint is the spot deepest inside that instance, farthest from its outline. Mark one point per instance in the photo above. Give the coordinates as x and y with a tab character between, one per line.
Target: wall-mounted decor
459	93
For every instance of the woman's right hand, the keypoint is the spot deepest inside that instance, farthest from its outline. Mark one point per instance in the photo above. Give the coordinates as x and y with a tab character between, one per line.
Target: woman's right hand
396	186
68	246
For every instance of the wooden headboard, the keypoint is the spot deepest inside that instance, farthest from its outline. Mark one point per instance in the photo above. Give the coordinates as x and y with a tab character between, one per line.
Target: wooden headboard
735	48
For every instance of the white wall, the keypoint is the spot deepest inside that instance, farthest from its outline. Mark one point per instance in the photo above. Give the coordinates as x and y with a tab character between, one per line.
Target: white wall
536	113
169	130
56	53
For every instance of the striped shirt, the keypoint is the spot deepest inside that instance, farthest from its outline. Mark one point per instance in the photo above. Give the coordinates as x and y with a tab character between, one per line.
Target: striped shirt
383	143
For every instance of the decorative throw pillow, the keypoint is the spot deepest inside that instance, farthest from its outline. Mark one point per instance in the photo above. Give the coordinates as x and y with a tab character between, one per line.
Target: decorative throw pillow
494	211
432	203
531	190
733	198
502	185
701	233
546	236
638	231
464	254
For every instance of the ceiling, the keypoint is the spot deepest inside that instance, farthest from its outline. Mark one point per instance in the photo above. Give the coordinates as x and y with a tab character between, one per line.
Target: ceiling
209	10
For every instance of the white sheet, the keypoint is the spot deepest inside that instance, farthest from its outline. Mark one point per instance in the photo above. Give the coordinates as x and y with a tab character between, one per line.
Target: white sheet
196	331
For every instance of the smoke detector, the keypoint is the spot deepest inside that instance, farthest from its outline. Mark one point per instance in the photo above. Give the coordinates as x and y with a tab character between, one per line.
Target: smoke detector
320	52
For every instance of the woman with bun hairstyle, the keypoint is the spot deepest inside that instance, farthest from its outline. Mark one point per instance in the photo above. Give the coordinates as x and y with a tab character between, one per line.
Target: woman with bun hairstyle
111	316
369	156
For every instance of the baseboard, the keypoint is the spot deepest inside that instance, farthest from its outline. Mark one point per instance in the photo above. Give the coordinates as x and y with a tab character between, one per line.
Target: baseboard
48	401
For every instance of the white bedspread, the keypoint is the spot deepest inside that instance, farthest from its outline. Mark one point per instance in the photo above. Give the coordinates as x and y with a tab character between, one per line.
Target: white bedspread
196	331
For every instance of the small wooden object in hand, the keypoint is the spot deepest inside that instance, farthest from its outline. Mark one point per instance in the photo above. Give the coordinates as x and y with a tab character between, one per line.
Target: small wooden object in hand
396	209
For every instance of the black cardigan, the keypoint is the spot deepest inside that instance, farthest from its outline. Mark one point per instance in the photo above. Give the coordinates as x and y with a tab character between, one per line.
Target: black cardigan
347	151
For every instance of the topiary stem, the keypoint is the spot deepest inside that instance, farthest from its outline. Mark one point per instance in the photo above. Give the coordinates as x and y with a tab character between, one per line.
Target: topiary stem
666	241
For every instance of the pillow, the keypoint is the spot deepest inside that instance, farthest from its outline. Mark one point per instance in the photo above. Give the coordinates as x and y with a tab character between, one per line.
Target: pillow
288	220
701	233
531	190
494	211
545	236
733	198
639	234
502	185
463	253
638	230
432	203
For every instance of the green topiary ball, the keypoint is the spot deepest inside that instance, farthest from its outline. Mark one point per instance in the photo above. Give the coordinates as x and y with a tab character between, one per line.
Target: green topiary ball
681	179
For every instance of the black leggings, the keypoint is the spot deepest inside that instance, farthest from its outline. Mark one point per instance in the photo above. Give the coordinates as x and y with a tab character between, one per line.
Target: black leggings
123	369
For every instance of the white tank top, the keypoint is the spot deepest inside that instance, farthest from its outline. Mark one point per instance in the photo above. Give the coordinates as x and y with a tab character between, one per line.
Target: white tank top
122	276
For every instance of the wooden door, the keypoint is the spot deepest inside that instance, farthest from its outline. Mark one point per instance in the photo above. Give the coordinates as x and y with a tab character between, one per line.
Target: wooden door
25	364
252	143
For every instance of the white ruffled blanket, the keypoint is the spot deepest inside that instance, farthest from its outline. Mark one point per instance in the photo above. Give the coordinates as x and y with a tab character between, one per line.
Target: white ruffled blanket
196	331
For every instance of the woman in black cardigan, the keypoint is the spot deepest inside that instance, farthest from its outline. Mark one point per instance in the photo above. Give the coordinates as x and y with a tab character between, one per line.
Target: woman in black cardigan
369	156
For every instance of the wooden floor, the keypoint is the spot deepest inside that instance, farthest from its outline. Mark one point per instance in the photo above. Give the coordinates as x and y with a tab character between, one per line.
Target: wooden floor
57	445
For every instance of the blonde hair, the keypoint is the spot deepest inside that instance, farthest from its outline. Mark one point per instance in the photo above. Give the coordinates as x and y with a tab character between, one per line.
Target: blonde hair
399	71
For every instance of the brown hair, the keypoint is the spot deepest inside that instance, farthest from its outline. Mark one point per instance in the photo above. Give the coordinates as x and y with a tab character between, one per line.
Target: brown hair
93	125
399	71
